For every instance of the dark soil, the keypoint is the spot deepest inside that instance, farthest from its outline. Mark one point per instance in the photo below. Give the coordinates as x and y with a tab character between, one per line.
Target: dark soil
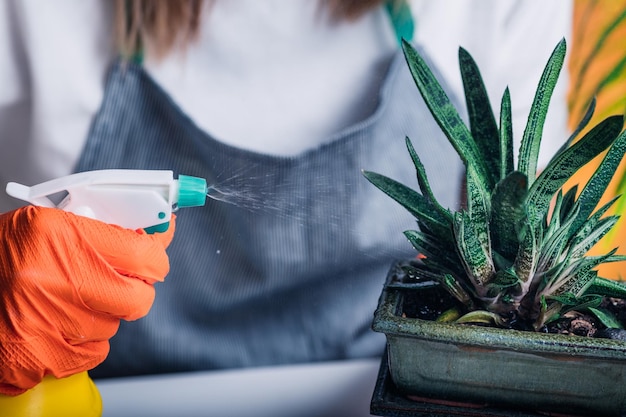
429	302
581	324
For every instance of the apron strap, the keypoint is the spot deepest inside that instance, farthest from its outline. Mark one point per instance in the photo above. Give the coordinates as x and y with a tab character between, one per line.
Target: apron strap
138	54
399	12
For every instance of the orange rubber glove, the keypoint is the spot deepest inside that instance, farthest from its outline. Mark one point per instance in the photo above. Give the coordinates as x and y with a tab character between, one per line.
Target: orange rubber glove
65	283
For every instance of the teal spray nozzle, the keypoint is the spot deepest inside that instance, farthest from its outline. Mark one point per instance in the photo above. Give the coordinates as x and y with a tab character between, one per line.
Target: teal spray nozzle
192	191
134	199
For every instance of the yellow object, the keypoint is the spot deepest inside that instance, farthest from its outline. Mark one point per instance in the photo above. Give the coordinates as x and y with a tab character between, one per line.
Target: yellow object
597	68
74	396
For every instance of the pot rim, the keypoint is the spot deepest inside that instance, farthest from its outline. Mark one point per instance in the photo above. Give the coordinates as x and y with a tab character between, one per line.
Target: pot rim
388	322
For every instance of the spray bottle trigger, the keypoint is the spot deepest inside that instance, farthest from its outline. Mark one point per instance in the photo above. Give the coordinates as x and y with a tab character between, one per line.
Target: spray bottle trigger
157	228
23	192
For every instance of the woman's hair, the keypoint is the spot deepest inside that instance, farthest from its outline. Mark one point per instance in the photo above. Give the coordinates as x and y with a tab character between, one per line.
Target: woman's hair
165	24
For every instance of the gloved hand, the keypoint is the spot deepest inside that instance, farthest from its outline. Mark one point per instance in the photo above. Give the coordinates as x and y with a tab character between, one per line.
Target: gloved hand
65	283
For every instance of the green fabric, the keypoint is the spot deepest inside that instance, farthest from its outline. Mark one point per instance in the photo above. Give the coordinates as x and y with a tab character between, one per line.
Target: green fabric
138	55
401	19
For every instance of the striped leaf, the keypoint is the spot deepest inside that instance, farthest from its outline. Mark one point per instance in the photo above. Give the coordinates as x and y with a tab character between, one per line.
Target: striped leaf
446	114
568	205
478	209
594	229
577	277
526	260
483	124
507	213
606	317
529	150
476	261
437	257
607	287
566	163
554	244
569	301
506	135
422	178
419	206
453	287
504	282
597	184
516	250
582	124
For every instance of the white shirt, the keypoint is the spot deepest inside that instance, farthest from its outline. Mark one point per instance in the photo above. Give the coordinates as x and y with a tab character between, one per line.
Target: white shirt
511	42
273	76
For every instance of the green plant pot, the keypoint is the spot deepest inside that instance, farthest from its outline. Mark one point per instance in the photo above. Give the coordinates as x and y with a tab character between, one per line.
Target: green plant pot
497	367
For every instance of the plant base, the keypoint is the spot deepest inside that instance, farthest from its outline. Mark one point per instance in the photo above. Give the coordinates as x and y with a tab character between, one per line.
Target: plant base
504	369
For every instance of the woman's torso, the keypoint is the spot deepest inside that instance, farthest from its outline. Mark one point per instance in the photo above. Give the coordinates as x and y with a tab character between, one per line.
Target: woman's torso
292	273
288	268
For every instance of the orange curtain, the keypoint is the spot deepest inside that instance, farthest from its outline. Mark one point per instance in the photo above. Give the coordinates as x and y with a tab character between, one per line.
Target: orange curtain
597	67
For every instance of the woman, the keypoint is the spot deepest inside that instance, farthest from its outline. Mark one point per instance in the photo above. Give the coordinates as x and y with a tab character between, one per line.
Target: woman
279	105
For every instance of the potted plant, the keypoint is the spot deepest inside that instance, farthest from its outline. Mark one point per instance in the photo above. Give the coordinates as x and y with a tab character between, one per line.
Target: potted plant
509	269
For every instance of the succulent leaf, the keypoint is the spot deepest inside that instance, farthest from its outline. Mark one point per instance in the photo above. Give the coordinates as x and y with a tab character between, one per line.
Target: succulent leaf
529	150
446	280
436	256
569	302
422	178
597	228
483	124
581	125
577	277
422	243
558	217
449	315
520	248
506	135
507	213
606	317
599	181
419	206
563	166
607	287
554	244
480	317
526	260
568	205
476	261
478	209
445	114
454	287
583	122
504	283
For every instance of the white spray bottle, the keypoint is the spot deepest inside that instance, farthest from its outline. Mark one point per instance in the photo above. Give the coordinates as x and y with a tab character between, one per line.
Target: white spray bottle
133	199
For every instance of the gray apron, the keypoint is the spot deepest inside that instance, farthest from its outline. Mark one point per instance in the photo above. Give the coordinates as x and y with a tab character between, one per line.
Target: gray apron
293	273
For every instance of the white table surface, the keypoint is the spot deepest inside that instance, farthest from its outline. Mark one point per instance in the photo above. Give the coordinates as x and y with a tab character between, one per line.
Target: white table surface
342	389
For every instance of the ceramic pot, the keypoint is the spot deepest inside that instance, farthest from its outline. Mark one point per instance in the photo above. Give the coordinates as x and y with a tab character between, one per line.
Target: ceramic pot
491	367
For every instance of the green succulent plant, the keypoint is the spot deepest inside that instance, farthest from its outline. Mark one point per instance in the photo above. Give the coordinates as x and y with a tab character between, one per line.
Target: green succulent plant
517	251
